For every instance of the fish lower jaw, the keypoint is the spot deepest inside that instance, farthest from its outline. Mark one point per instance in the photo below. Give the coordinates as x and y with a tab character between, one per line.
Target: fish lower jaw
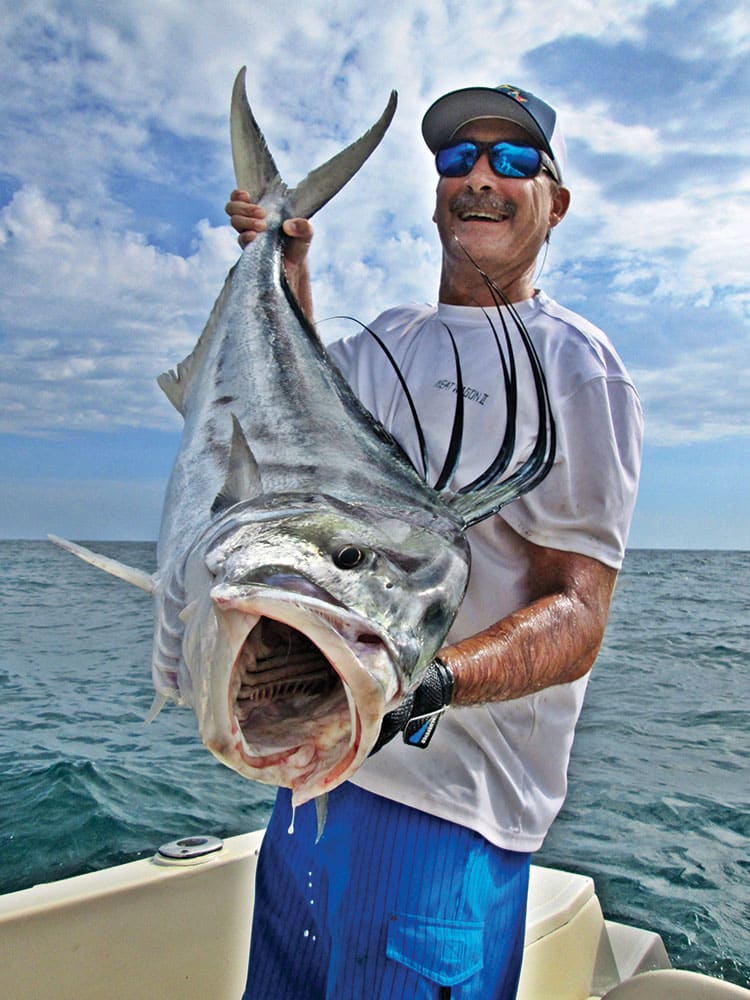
288	768
307	769
294	759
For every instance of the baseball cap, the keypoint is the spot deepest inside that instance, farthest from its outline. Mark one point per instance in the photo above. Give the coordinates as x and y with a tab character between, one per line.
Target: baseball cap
454	110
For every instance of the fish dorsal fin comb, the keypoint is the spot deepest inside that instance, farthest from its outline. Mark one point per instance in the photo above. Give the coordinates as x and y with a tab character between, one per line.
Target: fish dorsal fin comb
254	167
487	494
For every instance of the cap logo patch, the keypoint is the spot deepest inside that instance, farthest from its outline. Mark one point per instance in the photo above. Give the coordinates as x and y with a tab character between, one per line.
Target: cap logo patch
513	92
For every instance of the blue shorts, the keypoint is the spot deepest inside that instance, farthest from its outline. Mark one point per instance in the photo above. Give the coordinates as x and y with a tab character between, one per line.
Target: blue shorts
390	903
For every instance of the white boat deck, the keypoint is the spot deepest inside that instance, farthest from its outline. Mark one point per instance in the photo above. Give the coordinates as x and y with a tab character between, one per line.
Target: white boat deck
181	929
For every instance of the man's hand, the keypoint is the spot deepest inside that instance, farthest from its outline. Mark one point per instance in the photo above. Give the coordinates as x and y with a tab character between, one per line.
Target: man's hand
418	714
249	220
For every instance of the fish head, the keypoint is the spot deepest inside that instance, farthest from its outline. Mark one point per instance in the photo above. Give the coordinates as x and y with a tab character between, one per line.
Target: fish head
306	620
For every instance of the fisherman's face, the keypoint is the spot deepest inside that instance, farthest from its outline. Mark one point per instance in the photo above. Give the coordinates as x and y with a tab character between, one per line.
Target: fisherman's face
501	221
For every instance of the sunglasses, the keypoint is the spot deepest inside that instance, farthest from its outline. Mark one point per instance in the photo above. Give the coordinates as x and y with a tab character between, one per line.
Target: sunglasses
506	159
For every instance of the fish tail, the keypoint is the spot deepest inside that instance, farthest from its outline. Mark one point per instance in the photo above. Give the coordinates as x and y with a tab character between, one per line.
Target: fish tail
256	172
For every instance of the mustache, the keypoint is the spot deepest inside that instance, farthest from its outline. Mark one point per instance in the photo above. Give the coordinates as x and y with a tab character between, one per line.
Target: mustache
482	201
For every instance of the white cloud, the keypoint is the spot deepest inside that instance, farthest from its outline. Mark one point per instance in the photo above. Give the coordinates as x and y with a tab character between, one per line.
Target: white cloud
91	317
695	242
87	85
594	125
693	398
113	125
727	30
95	102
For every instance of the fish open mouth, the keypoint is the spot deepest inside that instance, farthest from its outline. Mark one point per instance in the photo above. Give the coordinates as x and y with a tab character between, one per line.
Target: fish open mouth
307	688
279	674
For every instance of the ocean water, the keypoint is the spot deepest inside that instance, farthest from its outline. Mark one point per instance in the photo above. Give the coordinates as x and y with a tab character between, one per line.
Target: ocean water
659	805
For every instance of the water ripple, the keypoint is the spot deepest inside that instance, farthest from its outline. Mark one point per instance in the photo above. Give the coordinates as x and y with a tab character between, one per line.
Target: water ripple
659	804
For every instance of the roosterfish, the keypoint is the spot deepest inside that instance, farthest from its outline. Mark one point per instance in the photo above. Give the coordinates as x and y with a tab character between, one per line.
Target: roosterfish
307	573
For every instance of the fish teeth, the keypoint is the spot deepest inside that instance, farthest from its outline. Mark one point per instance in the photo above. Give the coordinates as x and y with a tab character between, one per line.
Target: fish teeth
263	687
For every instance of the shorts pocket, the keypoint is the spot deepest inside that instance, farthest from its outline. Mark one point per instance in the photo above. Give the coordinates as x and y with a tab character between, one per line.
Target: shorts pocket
446	952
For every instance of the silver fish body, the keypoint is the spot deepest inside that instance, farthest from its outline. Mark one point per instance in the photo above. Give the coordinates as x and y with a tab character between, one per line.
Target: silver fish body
307	574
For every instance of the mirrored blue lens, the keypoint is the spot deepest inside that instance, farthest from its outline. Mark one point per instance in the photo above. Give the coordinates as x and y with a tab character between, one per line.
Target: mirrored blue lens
458	160
506	159
515	161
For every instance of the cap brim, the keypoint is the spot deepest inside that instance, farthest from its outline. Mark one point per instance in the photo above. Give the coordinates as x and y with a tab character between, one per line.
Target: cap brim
443	119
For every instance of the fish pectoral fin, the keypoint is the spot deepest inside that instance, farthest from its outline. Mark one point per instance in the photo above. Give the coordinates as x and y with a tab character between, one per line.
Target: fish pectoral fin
321	814
160	700
139	578
243	476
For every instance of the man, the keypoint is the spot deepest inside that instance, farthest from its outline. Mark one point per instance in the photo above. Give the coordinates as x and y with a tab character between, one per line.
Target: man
418	886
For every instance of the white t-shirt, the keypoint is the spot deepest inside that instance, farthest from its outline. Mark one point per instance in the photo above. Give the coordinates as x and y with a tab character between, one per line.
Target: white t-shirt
501	769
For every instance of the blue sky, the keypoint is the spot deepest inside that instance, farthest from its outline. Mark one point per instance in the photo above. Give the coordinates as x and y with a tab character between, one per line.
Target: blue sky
113	243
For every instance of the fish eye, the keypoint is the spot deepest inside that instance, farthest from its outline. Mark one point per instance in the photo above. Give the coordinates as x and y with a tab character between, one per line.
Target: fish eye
348	557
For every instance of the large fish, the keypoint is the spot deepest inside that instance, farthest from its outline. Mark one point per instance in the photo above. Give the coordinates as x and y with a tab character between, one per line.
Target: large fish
307	574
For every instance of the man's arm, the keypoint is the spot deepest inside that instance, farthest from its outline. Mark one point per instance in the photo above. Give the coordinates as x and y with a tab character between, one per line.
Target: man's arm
553	640
249	220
